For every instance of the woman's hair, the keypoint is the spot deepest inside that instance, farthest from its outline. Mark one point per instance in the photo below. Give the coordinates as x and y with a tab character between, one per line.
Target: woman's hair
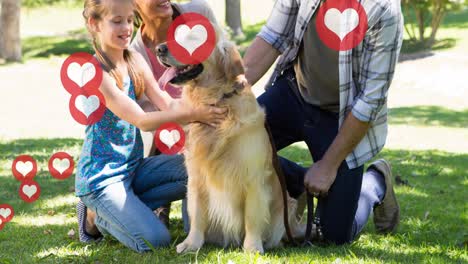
96	10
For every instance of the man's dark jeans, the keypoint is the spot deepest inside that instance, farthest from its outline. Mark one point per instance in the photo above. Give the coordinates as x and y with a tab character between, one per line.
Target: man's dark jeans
291	119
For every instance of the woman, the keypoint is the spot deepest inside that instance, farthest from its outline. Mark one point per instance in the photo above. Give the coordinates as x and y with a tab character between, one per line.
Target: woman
120	188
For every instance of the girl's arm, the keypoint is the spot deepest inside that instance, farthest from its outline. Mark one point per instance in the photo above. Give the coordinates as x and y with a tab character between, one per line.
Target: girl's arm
127	109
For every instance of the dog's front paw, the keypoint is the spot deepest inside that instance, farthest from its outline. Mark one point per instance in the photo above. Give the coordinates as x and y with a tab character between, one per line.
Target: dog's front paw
253	246
189	245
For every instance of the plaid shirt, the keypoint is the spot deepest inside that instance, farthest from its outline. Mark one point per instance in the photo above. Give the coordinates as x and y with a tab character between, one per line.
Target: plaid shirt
365	72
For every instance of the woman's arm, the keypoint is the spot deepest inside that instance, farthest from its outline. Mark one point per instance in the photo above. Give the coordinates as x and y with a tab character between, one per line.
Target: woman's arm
161	99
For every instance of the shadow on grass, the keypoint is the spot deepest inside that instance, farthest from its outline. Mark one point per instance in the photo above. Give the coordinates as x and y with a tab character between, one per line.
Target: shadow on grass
456	19
430	230
428	116
415	46
47	46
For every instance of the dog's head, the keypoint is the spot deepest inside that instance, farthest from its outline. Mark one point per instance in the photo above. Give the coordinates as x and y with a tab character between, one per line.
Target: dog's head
223	70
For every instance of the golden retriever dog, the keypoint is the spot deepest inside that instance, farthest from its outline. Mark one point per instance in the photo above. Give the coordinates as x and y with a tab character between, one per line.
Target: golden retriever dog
233	191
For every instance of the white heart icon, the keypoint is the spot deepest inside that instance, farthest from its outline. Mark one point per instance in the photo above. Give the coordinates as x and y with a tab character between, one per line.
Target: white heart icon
24	167
169	138
87	105
29	190
191	38
341	23
5	212
61	165
81	75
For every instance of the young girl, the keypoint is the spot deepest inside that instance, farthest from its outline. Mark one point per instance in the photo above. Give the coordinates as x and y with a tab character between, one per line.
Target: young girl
120	188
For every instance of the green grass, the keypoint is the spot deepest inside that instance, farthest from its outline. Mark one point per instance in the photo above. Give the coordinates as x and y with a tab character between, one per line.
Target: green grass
45	47
432	230
428	116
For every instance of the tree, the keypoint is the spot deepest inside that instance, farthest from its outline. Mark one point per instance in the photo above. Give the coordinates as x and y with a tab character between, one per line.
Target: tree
233	17
427	13
10	41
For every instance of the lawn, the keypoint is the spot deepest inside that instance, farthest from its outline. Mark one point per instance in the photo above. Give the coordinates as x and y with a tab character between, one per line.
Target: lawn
432	195
432	187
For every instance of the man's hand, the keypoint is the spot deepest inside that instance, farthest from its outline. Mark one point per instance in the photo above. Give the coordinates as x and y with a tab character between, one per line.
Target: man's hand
319	178
322	174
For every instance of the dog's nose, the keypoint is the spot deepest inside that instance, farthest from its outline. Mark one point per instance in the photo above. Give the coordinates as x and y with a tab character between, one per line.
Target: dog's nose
161	49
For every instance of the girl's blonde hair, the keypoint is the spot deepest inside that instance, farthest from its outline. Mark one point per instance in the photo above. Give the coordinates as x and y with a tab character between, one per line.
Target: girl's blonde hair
96	10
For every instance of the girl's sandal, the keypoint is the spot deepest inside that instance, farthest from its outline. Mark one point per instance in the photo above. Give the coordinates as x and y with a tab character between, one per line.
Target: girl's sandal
81	213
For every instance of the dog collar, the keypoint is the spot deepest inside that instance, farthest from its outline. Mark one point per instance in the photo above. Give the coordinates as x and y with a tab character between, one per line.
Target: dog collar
229	95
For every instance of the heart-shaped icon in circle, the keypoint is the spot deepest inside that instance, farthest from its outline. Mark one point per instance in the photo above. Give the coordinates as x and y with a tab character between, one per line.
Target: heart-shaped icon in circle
87	105
169	138
341	23
81	74
190	38
61	165
6	212
24	167
29	190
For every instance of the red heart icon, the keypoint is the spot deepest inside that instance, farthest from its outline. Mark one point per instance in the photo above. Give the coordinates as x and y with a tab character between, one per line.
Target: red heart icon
61	165
80	72
170	138
29	191
6	212
24	167
87	108
191	38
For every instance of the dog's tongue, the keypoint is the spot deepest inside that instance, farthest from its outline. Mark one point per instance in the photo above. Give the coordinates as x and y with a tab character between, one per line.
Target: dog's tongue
167	76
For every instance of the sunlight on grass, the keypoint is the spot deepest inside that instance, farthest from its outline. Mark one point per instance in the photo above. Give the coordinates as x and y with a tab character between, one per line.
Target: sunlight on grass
65	252
413	192
59	201
44	220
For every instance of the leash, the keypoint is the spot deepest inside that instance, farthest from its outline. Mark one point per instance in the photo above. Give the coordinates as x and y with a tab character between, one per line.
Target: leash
310	203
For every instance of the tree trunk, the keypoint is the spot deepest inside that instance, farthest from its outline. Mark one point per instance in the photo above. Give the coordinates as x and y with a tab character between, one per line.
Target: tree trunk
421	26
10	24
233	17
439	13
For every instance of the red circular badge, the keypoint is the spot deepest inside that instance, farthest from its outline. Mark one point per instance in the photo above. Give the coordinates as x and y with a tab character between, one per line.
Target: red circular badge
24	167
87	108
61	165
2	222
191	38
29	191
6	212
341	25
80	72
170	138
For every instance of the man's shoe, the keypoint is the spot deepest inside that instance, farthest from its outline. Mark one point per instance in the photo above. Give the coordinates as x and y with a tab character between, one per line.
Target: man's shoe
387	213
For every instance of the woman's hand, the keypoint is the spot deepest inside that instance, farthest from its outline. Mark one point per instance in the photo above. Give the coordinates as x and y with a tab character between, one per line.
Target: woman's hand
209	115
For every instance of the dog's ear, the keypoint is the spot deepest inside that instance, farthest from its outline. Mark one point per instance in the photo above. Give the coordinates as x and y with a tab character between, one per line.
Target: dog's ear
240	82
233	66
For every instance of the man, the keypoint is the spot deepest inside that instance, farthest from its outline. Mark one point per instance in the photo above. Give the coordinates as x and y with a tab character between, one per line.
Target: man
335	101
